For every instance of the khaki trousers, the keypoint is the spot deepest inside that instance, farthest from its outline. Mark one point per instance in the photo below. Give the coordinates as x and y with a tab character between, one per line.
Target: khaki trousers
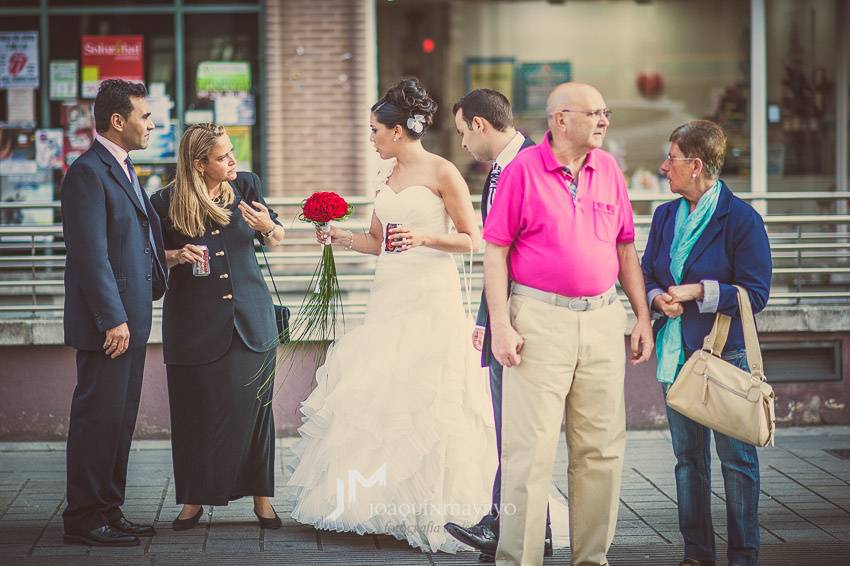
574	361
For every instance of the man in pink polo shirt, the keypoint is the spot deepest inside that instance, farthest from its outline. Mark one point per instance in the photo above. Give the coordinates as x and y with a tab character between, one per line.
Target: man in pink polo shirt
561	226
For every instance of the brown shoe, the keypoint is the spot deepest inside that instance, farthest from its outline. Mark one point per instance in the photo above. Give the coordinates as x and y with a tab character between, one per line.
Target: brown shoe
695	562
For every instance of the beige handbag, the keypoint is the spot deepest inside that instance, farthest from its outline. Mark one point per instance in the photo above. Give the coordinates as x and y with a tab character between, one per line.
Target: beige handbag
721	396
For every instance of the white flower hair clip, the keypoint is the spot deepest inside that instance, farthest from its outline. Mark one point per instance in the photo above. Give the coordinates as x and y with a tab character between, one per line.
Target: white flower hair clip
416	123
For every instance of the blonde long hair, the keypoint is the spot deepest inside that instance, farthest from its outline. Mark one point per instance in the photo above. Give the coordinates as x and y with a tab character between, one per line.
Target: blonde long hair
191	207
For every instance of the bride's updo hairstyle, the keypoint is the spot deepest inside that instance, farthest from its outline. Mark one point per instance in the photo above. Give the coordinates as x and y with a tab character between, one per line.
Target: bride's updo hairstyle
408	105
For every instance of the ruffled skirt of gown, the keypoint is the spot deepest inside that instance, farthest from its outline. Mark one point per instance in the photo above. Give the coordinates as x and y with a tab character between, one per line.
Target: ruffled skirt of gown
397	437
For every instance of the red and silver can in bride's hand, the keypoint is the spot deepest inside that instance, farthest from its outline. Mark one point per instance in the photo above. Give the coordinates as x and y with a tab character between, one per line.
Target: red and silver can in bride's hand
388	247
202	268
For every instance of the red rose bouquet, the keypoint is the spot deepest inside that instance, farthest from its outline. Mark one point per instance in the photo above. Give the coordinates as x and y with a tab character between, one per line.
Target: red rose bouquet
317	315
316	318
321	304
321	208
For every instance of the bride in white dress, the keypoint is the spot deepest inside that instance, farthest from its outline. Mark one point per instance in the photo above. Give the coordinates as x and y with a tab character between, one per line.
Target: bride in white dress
398	438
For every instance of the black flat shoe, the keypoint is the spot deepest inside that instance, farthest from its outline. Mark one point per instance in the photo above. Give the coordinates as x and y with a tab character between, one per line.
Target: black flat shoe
131	528
266	523
186	524
101	536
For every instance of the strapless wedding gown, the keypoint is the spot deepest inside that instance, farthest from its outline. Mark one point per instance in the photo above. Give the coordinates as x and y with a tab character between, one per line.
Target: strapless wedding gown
398	436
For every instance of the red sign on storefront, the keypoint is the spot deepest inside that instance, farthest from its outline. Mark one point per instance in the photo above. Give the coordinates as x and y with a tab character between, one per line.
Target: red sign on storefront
111	57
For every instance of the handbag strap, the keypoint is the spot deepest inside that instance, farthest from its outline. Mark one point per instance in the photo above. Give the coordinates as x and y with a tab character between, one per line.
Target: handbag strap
716	339
262	249
751	339
269	267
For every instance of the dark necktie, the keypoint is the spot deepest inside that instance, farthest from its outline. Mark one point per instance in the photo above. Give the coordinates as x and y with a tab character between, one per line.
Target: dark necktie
138	190
572	182
495	171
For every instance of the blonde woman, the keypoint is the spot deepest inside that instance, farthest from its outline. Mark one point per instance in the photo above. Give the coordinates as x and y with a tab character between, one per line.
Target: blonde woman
218	329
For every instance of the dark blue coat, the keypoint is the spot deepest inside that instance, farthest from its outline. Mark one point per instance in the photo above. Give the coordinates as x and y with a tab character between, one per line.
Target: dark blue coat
483	318
733	250
111	276
200	313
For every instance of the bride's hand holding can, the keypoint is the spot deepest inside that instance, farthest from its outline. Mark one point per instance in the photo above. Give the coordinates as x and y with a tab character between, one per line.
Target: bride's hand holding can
403	239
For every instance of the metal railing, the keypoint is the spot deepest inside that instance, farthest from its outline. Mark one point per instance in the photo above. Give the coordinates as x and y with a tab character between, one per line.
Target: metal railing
808	233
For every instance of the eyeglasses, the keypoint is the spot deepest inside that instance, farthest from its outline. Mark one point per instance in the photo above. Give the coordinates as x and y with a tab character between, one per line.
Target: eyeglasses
590	113
671	158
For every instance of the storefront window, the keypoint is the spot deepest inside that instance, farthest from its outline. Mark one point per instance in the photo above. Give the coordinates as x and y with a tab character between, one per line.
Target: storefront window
146	43
801	77
222	79
21	178
46	119
106	2
658	65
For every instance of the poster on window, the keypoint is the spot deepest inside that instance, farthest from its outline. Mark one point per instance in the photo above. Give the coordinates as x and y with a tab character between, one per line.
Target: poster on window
111	57
162	145
240	137
490	72
534	83
235	109
19	59
222	76
20	104
63	80
17	151
49	149
25	189
78	125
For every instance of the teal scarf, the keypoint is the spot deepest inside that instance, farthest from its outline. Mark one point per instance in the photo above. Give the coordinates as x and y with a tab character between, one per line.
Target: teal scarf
689	227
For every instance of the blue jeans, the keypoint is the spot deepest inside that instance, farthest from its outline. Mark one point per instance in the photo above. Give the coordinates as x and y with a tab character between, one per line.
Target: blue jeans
496	396
740	468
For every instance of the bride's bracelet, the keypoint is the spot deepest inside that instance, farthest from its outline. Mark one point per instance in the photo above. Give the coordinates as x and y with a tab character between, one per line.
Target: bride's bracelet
350	239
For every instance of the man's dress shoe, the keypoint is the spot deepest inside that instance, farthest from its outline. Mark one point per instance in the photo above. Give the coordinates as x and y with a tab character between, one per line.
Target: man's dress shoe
101	536
132	528
481	537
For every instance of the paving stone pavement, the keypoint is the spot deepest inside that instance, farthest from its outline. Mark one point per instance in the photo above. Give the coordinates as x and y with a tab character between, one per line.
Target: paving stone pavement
804	512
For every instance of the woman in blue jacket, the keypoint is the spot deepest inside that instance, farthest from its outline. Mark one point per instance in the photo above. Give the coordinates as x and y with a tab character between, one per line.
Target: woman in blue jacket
699	247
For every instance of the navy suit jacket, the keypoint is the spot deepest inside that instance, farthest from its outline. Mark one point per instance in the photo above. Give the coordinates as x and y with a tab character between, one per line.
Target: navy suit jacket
733	250
110	274
483	318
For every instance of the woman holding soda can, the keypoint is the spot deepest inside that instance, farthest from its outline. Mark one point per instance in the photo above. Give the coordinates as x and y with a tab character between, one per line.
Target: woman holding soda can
403	396
218	332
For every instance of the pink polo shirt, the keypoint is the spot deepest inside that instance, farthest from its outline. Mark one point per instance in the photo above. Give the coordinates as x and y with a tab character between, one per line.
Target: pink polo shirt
560	244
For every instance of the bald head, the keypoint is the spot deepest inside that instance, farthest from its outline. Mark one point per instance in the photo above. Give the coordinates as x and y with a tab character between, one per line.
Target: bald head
579	95
577	117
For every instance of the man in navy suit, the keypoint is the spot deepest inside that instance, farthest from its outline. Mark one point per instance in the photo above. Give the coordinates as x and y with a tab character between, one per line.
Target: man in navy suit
115	268
484	121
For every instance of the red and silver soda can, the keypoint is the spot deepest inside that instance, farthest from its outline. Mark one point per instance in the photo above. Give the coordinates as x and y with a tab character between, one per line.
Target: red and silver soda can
388	247
202	268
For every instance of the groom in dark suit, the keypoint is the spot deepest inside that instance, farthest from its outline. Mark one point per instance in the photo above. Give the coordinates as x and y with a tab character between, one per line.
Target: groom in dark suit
115	268
484	121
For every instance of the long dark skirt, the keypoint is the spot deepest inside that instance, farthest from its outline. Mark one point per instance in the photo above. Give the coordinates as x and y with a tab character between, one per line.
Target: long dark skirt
222	435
